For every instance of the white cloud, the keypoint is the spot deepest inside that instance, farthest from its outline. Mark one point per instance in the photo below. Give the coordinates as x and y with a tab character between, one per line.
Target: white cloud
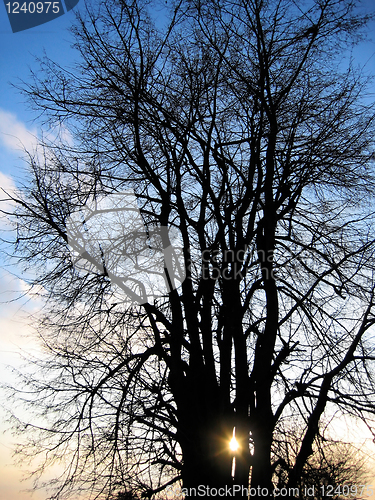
34	293
7	188
17	298
16	137
6	182
14	134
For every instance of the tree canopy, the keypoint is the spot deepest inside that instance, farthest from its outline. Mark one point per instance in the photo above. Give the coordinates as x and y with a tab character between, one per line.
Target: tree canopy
243	126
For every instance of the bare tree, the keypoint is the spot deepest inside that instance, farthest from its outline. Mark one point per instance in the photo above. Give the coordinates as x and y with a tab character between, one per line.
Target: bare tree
335	469
241	125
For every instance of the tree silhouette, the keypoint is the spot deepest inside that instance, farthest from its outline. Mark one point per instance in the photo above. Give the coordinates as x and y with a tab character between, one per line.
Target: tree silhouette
335	469
239	125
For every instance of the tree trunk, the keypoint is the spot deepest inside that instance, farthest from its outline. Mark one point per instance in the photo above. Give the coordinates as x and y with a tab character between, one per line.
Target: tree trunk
207	461
261	470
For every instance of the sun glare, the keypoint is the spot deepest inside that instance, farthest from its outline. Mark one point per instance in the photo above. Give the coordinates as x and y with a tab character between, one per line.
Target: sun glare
233	444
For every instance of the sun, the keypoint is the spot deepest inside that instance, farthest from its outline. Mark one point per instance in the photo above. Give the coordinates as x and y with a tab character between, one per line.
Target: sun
233	443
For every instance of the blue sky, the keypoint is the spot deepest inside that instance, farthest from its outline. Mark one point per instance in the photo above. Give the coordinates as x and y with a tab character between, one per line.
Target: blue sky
18	51
17	56
17	126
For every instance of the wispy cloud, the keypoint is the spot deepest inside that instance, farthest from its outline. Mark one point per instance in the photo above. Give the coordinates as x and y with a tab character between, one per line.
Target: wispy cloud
6	182
37	143
14	135
7	189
